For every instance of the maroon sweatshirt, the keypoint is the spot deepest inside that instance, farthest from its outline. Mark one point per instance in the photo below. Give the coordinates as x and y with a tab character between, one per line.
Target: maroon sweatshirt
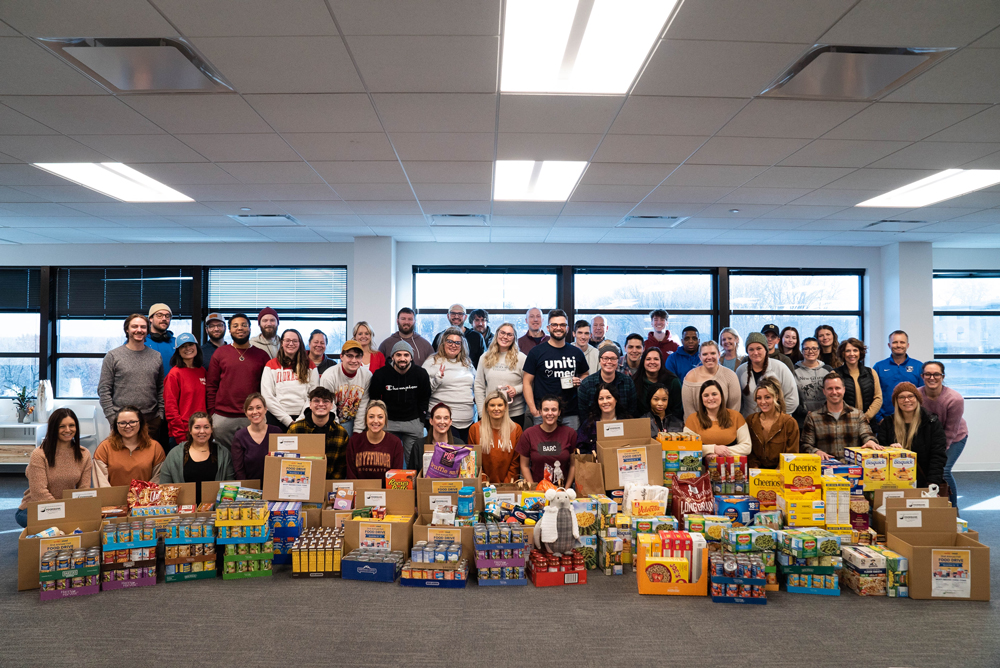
230	380
370	461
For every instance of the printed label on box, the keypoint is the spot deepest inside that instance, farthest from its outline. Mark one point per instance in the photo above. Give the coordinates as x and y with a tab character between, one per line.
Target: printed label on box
348	486
909	520
507	498
632	466
293	479
51	511
438	500
58	543
374	534
446	486
85	494
444	535
951	573
613	429
288	443
918	503
374	498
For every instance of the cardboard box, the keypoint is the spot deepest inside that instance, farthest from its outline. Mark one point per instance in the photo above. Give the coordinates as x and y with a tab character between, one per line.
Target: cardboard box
464	535
394	535
627	454
67	515
314	516
800	472
450	485
290	479
943	564
765	485
913	496
187	494
210	488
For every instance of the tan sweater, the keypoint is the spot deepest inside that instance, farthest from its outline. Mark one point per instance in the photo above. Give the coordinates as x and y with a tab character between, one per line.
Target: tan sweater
46	483
692	386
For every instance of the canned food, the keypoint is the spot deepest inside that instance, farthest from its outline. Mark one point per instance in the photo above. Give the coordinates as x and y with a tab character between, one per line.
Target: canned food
48	562
93	557
109	535
62	584
48	585
148	532
718	589
123	534
64	561
77	583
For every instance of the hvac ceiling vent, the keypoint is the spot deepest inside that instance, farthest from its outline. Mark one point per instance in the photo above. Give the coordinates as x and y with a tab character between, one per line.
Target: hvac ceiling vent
266	220
159	65
659	222
889	225
830	72
458	220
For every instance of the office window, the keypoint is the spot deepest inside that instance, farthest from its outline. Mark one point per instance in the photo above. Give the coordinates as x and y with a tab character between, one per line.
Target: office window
967	331
91	307
804	300
506	293
19	340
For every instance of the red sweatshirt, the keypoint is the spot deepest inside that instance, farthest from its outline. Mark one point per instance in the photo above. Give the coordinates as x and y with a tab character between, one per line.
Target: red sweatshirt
368	460
183	396
229	380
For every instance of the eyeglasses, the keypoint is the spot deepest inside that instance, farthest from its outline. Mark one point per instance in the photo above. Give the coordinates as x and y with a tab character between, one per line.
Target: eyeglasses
555	326
906	397
453	342
456	312
129	424
811	349
932	376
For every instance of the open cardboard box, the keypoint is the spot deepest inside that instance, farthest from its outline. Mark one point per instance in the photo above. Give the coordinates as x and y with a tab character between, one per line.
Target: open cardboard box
118	496
398	535
427	486
314	516
911	499
699	588
944	564
290	479
67	515
628	454
210	488
423	531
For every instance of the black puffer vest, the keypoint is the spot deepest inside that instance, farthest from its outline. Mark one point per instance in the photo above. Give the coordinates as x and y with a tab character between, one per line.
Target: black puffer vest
867	382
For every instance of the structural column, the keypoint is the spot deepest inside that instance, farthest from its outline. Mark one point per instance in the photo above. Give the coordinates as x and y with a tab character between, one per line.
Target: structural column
908	299
373	286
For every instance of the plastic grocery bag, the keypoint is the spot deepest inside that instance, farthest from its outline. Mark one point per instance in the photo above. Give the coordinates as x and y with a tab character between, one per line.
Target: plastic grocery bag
446	462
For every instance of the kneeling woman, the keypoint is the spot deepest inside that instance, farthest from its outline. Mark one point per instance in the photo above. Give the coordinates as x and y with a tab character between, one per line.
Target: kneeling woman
198	458
773	432
497	434
374	451
547	443
723	431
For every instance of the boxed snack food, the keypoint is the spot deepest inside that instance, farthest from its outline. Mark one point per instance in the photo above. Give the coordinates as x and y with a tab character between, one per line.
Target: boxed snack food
802	513
739	509
903	468
765	485
876	468
713	527
800	472
400	479
853	473
681	453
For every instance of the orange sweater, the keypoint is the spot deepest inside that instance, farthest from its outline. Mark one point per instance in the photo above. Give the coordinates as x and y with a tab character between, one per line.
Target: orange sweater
499	465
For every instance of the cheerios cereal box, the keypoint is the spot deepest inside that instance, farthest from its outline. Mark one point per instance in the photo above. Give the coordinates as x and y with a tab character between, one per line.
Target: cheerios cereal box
800	471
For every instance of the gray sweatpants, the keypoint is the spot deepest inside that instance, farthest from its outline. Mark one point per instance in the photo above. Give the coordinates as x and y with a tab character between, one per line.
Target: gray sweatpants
411	433
224	428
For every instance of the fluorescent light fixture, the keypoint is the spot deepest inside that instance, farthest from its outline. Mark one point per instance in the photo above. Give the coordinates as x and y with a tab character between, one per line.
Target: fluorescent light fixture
536	180
578	46
114	180
937	188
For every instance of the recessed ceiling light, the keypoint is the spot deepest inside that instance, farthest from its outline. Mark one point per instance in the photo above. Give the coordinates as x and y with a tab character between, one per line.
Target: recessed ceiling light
937	188
734	211
536	180
114	180
244	208
578	46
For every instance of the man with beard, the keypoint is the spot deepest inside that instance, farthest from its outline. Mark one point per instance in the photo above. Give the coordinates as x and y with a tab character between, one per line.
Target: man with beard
420	348
406	389
234	373
686	357
475	344
553	368
160	338
267	340
132	375
480	320
215	332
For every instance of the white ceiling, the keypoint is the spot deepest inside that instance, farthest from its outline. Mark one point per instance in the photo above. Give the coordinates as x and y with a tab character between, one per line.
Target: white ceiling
364	117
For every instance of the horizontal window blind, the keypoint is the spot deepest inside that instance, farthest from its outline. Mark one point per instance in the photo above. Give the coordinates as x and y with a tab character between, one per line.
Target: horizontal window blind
19	290
83	292
290	291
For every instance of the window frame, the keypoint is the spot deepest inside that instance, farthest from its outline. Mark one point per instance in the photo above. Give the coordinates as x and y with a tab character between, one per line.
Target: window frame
546	270
943	273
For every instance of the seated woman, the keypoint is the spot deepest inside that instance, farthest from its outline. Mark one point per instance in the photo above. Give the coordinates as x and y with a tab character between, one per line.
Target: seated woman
198	458
60	463
772	430
659	418
547	443
128	453
912	427
441	427
497	434
723	431
607	407
250	443
374	451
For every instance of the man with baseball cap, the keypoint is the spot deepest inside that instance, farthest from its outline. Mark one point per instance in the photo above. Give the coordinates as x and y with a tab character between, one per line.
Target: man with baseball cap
349	381
267	340
406	390
215	332
160	338
773	335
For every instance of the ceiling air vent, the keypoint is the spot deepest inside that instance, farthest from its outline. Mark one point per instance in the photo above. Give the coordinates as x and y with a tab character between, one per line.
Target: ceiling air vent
661	222
266	220
830	72
458	220
140	65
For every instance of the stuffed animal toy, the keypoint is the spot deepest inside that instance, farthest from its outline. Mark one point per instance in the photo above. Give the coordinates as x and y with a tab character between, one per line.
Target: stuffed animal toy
558	529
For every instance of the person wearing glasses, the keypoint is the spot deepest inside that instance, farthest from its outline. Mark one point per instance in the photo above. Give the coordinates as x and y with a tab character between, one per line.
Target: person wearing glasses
128	453
897	368
949	407
215	336
502	369
132	375
913	428
809	375
453	377
607	373
556	369
475	344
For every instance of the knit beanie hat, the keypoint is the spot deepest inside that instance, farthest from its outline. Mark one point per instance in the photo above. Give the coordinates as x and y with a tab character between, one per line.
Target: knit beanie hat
907	387
267	310
756	337
160	307
608	346
401	346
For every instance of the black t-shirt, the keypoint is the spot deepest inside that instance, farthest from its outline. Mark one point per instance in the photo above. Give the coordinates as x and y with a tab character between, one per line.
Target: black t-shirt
199	472
548	365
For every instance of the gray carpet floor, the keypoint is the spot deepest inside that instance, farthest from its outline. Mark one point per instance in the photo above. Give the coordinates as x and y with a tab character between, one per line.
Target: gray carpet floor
281	621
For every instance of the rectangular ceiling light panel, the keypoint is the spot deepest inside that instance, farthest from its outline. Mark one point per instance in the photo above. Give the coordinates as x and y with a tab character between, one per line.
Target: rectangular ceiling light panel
937	188
578	46
536	180
114	180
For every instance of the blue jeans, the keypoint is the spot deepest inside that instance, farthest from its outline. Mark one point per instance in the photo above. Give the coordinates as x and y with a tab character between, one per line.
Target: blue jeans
954	452
21	517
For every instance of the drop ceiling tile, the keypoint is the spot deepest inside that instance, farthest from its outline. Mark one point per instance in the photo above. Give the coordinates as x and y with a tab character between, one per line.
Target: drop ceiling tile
452	191
531	146
7	31
248	18
937	155
953	227
764	195
712	175
237	148
545	222
596	209
180	174
344	112
606	193
82	114
745	151
772	224
982	199
180	114
714	68
297	191
46	209
984	126
289	234
747	210
624	174
470	207
141	148
647	208
176	208
587	222
991	161
460	234
381	222
343	235
804	212
882	180
448	146
558	113
698	223
16	123
519	234
984	216
341	145
271	172
148	220
941	213
67	235
902	121
970	241
92	18
151	235
654	115
102	209
842	153
383	208
805	119
756	22
48	148
427	64
677	236
33	222
26	175
798	177
374	191
26	194
867	214
834	197
990	41
647	148
360	171
913	22
967	76
63	194
227	193
418	17
20	236
440	112
527	208
689	194
449	172
29	69
235	234
219	211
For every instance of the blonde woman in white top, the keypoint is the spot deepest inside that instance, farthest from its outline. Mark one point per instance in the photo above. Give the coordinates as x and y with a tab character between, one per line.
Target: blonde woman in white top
502	366
452	379
710	369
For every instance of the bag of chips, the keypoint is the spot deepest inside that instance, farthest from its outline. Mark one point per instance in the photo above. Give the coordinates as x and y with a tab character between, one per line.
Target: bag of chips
692	496
447	460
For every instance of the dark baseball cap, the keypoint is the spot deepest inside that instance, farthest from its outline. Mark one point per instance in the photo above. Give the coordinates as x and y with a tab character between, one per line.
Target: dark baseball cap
770	329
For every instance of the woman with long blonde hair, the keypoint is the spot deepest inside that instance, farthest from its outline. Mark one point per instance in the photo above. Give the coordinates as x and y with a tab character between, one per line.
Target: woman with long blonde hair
497	434
501	367
452	378
364	334
912	427
287	381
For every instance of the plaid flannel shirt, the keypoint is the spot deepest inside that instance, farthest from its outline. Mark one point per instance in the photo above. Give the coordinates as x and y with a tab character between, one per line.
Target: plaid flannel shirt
822	431
336	443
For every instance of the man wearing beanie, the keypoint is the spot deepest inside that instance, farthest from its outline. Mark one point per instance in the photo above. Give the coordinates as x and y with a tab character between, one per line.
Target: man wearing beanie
406	390
267	340
160	338
913	427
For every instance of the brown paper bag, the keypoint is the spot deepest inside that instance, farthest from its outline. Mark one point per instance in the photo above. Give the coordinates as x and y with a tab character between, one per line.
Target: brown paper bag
589	475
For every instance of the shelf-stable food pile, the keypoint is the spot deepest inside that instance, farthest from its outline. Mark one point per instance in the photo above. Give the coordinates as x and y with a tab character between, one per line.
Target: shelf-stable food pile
680	524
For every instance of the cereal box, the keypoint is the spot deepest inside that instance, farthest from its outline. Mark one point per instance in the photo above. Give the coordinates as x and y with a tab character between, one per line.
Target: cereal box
837	497
903	468
853	473
800	471
667	569
765	485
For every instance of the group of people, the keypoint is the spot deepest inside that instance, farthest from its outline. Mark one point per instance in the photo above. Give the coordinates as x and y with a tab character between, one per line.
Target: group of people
184	412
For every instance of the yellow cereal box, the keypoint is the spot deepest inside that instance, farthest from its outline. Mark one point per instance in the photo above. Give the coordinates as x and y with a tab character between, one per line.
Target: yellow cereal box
667	569
800	470
837	497
649	544
765	485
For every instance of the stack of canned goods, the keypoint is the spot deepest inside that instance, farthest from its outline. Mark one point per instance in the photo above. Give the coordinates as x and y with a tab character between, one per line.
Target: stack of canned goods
253	531
740	566
69	560
248	565
241	511
421	571
376	555
198	527
437	552
128	532
542	562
